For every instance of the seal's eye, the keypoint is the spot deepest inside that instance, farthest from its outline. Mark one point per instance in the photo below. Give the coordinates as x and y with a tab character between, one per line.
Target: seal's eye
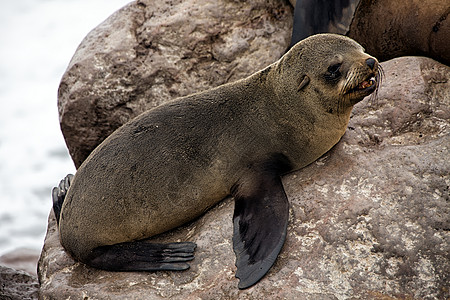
333	71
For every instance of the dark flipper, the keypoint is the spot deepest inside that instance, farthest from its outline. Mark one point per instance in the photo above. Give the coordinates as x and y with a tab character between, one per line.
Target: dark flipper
260	222
59	194
143	256
321	16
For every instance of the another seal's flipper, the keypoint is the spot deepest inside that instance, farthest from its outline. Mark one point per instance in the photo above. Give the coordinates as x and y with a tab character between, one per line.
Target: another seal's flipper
322	16
260	222
142	256
59	194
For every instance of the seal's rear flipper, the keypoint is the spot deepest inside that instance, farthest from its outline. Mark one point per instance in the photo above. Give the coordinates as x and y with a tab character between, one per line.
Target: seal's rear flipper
131	256
142	256
59	194
260	221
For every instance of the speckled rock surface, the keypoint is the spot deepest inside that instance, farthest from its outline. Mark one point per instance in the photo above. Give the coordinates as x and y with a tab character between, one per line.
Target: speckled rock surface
369	220
151	52
17	285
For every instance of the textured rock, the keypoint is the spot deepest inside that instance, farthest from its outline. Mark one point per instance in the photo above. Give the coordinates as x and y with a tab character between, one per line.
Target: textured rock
150	52
17	285
369	220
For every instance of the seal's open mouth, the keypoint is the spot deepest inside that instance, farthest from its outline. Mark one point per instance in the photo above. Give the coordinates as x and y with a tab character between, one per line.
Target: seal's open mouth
367	84
365	87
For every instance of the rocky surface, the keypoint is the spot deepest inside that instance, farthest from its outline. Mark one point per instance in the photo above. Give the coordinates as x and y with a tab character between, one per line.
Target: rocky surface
17	285
369	220
150	52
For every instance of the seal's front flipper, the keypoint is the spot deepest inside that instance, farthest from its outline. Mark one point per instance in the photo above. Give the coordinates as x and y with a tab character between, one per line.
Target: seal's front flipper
142	256
260	222
59	194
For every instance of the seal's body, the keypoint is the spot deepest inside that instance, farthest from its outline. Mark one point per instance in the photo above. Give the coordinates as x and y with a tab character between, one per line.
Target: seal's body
170	164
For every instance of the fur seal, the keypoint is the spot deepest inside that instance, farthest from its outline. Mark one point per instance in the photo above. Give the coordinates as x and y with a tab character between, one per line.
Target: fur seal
386	29
172	163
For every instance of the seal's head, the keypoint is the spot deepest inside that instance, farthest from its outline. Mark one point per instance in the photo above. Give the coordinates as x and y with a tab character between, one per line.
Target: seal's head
332	69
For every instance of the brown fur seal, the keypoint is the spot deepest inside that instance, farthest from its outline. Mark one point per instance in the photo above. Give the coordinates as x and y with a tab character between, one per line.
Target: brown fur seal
385	28
172	163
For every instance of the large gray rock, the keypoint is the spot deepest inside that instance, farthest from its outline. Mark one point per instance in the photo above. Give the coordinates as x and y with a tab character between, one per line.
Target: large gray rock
369	220
151	52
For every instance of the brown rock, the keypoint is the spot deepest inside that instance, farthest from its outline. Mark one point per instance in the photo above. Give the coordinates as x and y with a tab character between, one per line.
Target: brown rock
369	220
150	52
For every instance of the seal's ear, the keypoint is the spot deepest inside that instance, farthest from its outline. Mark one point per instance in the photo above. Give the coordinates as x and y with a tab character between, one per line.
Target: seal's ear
304	80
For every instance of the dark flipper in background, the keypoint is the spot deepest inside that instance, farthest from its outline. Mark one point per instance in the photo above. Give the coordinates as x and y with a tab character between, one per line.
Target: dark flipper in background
59	194
322	16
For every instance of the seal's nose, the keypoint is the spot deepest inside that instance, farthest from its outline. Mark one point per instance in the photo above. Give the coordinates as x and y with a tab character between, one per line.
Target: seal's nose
371	63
